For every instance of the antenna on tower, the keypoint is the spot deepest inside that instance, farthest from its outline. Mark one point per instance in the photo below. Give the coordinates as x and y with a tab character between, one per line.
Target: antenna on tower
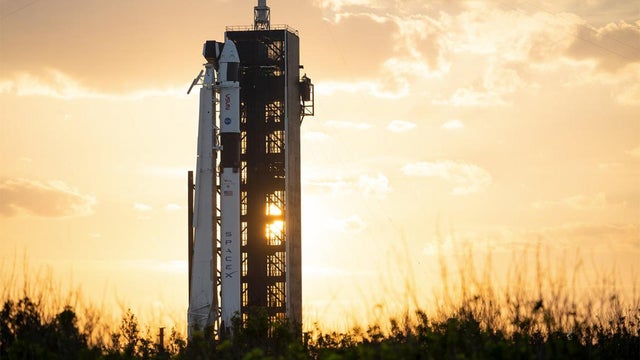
261	16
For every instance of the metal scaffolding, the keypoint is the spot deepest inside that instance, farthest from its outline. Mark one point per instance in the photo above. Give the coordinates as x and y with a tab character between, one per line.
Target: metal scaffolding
271	109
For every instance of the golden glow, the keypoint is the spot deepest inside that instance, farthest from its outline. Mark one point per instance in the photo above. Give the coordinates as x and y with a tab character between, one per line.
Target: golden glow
273	210
276	227
275	232
525	134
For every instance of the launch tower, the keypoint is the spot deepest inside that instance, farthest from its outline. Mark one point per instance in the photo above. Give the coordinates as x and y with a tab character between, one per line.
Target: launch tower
273	100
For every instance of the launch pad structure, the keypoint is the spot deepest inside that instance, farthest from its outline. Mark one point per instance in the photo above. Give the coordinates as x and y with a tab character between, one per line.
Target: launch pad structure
245	238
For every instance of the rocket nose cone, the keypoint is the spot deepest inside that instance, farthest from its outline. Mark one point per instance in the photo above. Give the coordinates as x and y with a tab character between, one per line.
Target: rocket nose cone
229	53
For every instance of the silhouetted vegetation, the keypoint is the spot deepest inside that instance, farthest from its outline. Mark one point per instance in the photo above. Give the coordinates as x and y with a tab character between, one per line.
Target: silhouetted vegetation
532	331
472	320
26	334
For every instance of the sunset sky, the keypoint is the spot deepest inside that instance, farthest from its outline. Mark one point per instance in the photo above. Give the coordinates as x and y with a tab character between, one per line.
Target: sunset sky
501	125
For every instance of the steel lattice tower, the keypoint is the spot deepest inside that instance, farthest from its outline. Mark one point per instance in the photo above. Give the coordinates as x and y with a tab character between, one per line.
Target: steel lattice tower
271	114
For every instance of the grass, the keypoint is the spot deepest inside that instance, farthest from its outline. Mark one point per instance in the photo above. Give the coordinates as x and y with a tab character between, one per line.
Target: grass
542	311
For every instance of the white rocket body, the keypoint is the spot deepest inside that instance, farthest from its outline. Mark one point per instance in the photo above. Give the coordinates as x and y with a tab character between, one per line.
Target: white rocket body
204	309
230	257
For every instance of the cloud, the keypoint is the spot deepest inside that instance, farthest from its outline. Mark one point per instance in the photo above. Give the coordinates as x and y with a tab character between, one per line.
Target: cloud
169	172
612	46
363	184
499	81
324	271
142	207
173	207
466	178
352	224
610	165
635	152
399	126
339	5
420	48
427	38
144	210
452	125
629	94
464	97
315	136
531	36
621	237
374	185
406	70
58	85
156	266
502	79
6	86
413	46
52	198
586	202
334	185
348	125
581	202
601	231
600	11
624	84
386	90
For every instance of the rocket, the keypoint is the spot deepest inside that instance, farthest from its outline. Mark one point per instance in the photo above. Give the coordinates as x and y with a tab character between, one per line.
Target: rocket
203	301
230	257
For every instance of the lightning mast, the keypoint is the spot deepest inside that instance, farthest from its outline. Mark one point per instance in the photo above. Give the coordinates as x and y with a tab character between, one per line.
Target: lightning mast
261	16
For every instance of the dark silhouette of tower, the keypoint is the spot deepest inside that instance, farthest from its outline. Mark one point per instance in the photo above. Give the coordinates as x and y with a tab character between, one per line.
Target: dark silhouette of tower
274	99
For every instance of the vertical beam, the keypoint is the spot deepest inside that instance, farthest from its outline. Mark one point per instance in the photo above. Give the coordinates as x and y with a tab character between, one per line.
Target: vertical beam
190	188
293	182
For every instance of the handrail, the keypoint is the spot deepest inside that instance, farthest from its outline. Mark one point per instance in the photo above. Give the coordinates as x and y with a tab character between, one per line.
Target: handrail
251	28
